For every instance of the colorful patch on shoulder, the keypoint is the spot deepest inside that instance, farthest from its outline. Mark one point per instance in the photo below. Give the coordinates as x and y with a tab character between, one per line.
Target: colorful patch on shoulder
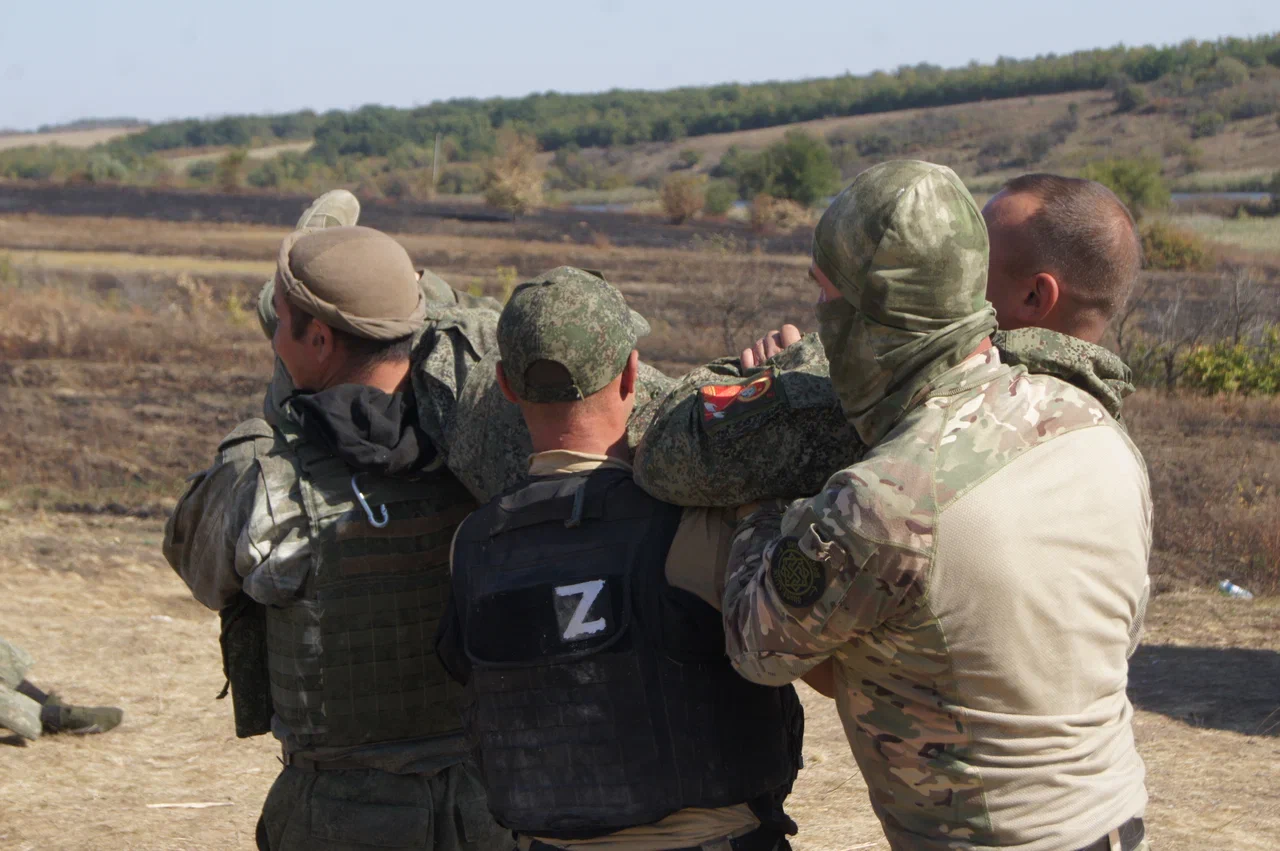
798	579
724	403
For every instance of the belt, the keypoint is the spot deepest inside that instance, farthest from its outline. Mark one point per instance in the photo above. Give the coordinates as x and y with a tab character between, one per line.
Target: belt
303	763
1126	837
760	839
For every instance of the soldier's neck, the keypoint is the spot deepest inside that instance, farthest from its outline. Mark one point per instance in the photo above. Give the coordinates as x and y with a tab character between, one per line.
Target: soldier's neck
387	377
585	435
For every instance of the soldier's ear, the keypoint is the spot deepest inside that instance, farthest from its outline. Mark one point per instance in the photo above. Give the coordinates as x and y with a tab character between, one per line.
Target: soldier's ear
1041	299
320	337
504	386
631	374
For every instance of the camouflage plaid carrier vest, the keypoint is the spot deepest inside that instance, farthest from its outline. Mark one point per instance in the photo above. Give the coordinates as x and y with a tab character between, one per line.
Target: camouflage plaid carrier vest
601	696
353	660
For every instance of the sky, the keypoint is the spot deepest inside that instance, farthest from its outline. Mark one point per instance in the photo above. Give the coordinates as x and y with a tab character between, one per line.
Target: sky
159	59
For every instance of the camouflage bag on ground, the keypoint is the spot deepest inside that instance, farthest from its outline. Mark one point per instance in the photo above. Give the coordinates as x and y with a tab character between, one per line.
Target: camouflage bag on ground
489	446
727	436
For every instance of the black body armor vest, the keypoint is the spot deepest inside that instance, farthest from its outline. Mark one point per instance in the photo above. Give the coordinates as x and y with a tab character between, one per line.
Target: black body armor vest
601	697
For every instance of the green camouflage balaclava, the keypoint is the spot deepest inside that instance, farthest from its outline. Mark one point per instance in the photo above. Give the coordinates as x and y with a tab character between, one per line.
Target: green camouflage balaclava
906	246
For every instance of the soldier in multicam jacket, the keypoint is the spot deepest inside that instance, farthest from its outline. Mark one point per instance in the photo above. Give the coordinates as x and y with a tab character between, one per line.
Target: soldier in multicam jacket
979	577
1064	256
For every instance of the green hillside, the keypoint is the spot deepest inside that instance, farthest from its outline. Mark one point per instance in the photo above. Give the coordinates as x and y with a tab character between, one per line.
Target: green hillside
1207	110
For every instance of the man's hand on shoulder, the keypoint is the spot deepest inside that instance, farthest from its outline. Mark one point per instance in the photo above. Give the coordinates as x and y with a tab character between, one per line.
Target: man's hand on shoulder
769	345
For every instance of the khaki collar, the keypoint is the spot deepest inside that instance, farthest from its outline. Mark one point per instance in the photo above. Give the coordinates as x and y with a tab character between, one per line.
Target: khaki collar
559	462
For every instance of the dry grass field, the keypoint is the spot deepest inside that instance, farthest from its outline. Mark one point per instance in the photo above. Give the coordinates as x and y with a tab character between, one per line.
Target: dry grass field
67	138
182	159
128	348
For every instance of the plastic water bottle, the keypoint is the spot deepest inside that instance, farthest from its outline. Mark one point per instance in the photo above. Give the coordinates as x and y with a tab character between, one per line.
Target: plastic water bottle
1231	589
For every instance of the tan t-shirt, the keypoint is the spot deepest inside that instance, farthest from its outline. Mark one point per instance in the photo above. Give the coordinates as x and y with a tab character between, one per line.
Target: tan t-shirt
703	534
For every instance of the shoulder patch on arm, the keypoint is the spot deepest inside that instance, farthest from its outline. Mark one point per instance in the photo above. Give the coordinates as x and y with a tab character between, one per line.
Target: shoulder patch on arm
735	400
798	579
247	430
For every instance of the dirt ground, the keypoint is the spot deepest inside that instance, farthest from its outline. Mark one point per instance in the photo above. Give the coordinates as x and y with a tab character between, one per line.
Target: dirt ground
108	622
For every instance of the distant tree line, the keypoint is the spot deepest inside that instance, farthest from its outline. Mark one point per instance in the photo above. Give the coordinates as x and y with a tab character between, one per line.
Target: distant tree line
91	124
621	117
234	131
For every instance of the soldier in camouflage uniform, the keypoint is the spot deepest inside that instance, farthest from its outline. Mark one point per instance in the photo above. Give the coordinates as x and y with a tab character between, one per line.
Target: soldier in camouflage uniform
328	524
458	329
978	578
28	711
479	433
604	711
1064	256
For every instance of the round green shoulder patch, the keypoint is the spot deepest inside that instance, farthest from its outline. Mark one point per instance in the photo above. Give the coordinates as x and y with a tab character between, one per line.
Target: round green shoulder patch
798	579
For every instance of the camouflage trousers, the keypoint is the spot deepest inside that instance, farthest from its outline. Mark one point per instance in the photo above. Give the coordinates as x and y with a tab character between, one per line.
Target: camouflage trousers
18	712
365	809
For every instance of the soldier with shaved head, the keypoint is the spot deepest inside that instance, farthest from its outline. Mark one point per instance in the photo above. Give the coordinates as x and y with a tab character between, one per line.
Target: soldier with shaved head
978	578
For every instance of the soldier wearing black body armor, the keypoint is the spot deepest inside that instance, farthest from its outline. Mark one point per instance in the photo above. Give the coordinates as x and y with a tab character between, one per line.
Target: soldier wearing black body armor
322	535
603	709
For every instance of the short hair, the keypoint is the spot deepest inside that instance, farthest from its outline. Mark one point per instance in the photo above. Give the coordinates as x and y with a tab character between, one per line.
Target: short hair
362	352
1082	234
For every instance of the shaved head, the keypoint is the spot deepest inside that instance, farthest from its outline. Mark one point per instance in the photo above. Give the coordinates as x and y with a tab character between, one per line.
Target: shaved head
1076	232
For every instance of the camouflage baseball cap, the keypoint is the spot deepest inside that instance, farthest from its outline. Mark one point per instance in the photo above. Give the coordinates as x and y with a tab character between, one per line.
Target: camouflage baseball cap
572	318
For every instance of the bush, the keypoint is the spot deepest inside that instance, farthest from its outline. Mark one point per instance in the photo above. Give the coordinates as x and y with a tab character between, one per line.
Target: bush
201	172
1166	247
1249	105
1037	146
731	163
513	182
683	196
286	171
1245	368
805	172
461	179
1192	154
799	168
1130	98
775	214
1137	182
720	197
688	158
229	171
1207	124
1229	71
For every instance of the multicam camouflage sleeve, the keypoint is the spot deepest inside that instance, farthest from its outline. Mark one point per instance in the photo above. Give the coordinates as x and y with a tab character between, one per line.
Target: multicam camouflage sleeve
805	581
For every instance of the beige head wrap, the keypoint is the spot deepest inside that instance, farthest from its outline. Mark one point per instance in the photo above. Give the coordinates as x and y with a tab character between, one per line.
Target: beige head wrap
355	279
